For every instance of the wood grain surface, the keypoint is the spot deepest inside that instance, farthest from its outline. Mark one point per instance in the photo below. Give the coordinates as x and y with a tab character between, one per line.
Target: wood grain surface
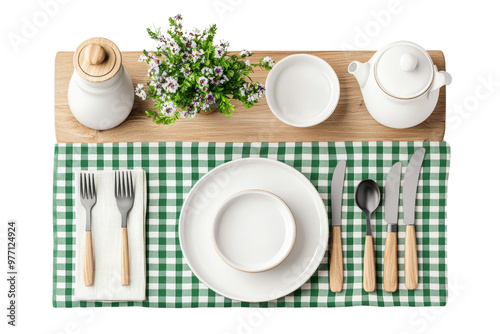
349	122
125	269
391	262
369	268
336	261
88	260
411	258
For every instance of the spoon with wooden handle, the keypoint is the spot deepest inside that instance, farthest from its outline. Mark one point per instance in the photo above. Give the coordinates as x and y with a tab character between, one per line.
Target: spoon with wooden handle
368	199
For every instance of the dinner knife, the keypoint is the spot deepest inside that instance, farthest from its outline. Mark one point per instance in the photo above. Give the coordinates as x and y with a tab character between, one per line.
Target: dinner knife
391	210
410	184
336	258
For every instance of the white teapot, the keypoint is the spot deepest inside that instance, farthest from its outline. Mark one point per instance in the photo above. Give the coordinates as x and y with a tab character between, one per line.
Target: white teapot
100	93
400	84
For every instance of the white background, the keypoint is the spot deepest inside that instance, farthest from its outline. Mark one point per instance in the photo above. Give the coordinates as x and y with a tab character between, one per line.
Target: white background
467	32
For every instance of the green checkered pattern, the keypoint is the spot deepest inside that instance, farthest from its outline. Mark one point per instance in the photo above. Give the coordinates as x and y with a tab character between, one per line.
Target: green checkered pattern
173	168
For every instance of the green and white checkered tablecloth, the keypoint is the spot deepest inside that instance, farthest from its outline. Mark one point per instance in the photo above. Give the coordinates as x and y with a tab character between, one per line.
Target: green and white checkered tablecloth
173	168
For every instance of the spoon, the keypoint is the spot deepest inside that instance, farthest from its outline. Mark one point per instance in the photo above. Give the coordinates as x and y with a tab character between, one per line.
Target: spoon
368	199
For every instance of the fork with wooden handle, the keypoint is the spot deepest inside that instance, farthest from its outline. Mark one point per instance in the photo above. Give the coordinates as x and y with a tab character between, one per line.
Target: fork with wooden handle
124	194
88	198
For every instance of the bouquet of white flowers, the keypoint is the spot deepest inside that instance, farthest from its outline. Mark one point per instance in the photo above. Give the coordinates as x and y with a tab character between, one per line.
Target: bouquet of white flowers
190	74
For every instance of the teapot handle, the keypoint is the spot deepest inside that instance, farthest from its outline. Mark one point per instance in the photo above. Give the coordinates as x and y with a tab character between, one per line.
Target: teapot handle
441	78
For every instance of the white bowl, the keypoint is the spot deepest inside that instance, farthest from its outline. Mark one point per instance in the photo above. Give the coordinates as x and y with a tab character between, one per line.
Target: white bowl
253	231
302	90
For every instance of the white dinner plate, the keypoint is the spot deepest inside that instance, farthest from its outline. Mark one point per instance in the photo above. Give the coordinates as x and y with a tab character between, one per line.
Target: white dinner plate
302	90
200	208
253	231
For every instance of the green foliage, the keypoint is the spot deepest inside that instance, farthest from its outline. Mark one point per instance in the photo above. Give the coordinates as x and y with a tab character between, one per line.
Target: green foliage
189	73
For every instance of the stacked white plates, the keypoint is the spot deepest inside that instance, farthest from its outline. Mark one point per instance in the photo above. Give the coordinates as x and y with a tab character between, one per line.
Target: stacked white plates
253	229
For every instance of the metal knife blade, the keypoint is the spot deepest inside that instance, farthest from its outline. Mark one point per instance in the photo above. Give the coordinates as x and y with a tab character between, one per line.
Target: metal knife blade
410	184
391	206
336	192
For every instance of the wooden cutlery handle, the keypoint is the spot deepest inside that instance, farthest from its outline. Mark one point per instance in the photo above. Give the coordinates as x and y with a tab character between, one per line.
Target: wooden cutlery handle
391	262
336	261
125	265
88	260
411	262
369	272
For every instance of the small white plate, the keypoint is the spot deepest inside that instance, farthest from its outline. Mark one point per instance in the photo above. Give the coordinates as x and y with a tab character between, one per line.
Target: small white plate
302	90
253	231
208	194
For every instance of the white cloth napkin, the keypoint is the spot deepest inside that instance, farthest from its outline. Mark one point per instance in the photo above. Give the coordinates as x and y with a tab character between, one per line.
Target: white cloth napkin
106	238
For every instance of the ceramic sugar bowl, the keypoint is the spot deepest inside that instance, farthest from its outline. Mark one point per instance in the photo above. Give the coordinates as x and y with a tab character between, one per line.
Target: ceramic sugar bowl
400	84
100	93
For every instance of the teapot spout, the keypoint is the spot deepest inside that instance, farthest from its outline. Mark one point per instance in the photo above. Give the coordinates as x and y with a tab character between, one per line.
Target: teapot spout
360	72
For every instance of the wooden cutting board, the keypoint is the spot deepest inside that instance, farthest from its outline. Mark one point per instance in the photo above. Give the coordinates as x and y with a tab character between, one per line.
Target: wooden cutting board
349	122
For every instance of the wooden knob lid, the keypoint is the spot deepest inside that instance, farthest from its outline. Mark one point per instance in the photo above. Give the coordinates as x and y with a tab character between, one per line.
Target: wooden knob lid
97	59
95	54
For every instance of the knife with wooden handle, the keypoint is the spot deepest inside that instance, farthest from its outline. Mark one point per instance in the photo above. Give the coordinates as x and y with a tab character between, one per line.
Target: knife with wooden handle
391	211
336	258
410	184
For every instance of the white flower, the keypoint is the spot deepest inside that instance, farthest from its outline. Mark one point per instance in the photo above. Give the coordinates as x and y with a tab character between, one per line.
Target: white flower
205	106
186	71
139	91
219	52
245	53
185	56
174	47
196	54
170	85
143	58
192	44
168	108
252	97
188	113
218	70
161	45
261	88
202	81
247	62
206	71
154	69
158	87
268	60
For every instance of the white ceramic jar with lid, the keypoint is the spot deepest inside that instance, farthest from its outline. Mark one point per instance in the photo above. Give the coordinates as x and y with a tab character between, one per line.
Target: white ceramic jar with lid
400	84
100	93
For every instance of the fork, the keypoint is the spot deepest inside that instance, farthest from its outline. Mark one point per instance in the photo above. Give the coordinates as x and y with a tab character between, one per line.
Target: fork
124	193
88	198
